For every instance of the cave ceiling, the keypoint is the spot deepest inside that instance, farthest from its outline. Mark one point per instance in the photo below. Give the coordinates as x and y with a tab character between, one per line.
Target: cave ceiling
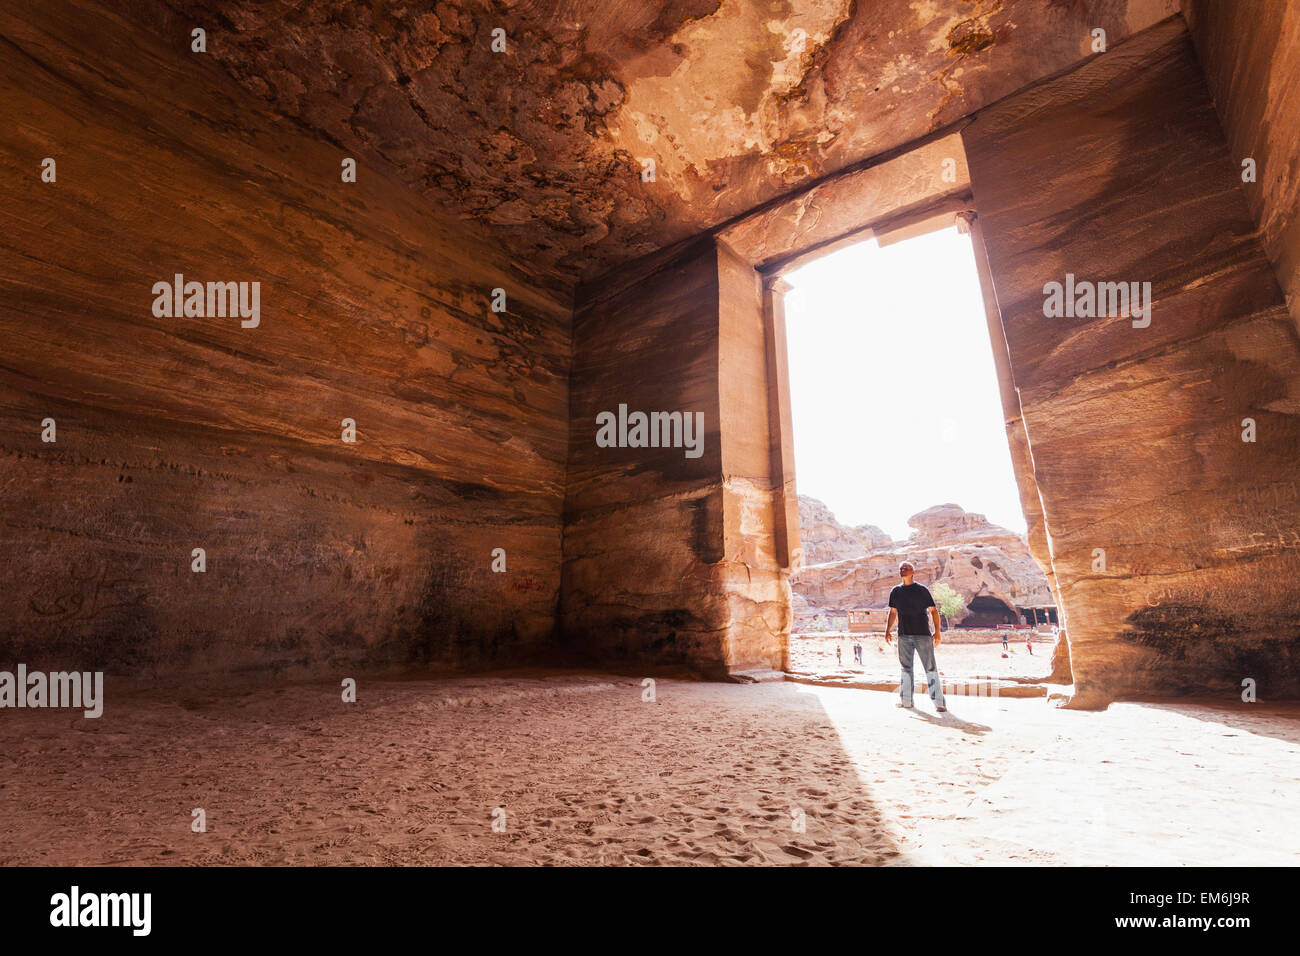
735	101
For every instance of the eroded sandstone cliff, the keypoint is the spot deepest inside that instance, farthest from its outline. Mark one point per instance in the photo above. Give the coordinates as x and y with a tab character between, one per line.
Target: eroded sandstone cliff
949	545
825	539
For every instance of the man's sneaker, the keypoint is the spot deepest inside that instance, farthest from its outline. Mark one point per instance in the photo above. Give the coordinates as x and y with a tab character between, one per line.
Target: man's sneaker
905	706
941	709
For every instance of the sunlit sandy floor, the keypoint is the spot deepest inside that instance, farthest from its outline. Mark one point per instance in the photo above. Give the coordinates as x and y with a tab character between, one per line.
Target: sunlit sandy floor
814	654
587	772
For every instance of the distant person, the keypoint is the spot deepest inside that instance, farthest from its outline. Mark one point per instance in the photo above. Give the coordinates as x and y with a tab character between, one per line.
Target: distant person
913	607
838	658
1029	644
1004	642
857	653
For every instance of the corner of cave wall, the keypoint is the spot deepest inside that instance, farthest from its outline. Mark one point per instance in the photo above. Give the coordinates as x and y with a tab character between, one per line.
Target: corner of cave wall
668	559
643	527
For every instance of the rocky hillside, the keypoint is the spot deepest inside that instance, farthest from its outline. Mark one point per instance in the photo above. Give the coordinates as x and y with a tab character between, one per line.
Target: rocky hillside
825	539
989	566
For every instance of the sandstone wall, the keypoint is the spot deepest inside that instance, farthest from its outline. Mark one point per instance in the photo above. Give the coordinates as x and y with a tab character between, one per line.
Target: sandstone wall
643	527
179	433
668	559
1251	56
1120	171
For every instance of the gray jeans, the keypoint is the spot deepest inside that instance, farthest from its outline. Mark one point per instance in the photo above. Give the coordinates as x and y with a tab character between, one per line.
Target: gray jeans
922	644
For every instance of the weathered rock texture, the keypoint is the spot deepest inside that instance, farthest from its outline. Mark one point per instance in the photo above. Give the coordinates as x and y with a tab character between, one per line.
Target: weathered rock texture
542	145
183	433
1251	56
986	564
755	572
1120	171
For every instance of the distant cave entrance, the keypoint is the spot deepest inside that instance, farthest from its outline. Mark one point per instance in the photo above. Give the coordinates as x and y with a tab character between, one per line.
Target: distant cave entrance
987	611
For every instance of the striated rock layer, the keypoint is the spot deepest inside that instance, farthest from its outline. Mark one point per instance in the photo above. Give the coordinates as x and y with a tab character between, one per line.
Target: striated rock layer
1251	56
1170	541
194	432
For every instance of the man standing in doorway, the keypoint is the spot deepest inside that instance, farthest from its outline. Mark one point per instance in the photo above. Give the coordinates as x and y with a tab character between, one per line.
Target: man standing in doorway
913	607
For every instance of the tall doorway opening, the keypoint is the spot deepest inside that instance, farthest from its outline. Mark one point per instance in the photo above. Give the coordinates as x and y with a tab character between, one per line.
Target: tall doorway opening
901	453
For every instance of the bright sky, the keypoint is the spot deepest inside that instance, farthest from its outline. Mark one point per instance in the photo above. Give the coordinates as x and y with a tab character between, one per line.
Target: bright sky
892	385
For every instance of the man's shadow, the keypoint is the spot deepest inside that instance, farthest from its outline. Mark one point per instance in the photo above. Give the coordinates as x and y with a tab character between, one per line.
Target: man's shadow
952	721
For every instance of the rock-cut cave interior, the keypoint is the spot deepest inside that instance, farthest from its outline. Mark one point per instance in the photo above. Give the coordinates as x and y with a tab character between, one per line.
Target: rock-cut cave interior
314	312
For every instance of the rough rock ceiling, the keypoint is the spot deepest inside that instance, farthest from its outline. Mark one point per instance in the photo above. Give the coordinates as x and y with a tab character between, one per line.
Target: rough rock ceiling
736	101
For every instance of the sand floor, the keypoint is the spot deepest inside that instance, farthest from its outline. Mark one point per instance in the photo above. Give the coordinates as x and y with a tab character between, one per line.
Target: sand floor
588	773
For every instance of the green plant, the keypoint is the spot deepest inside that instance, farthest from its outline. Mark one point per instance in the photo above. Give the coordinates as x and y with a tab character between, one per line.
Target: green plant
951	605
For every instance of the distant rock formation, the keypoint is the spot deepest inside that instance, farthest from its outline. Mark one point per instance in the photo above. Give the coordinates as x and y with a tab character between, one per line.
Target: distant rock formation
824	539
988	565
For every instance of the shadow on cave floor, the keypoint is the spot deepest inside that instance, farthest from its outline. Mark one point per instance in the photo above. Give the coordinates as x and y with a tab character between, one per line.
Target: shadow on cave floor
585	770
951	721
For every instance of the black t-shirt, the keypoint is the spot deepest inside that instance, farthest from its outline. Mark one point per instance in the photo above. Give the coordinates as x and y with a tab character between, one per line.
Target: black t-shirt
911	600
